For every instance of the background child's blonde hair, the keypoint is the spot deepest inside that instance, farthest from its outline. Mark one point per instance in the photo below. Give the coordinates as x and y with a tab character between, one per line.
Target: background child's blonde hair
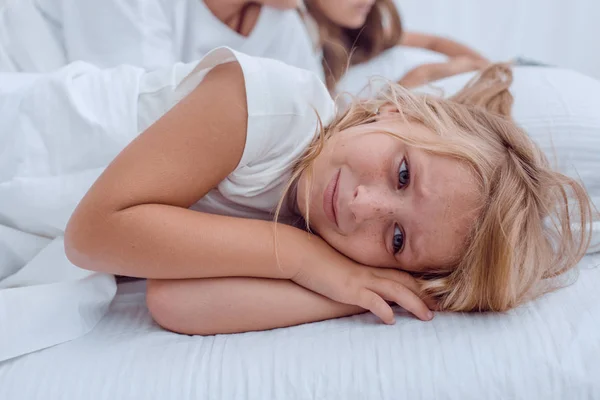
534	224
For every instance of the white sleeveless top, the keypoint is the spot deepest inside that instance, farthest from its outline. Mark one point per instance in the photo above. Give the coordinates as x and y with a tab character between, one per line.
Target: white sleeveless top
283	103
145	33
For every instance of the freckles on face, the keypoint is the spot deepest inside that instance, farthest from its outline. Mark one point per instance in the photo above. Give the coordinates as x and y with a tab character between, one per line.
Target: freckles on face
449	203
433	211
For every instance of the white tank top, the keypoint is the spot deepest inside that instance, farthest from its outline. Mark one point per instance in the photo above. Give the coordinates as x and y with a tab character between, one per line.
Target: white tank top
283	102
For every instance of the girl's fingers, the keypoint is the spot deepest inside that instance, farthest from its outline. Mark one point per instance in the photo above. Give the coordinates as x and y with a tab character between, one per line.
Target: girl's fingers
404	297
371	301
410	282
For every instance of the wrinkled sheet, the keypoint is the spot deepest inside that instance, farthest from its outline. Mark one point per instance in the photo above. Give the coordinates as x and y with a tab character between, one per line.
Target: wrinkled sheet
57	133
548	349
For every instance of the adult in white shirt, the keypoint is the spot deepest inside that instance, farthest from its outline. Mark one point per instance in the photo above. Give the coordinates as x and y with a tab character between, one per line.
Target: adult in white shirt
43	35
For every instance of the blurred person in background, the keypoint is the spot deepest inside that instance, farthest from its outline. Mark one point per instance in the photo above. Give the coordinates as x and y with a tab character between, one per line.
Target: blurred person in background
324	36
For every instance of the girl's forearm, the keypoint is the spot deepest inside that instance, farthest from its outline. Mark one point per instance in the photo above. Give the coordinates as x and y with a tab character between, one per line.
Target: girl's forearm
167	242
234	305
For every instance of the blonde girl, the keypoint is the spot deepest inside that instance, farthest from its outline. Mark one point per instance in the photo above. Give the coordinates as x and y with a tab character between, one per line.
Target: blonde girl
424	202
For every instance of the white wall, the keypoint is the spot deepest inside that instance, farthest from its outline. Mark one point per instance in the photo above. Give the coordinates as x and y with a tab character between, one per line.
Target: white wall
559	32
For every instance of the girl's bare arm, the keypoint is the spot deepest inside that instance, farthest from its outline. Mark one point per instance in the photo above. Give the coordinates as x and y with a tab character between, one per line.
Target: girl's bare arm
135	221
233	305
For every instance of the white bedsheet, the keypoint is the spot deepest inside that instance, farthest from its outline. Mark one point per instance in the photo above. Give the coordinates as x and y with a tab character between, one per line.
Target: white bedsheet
546	350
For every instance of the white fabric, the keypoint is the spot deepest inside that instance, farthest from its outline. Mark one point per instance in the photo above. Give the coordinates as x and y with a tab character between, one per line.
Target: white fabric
548	349
392	64
283	104
146	33
278	34
59	131
49	137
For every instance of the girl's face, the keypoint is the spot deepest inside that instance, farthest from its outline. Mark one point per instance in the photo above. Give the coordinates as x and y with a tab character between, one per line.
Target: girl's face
386	204
350	14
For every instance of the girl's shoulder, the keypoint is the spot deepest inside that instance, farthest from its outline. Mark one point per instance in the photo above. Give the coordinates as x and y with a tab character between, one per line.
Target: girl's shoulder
284	104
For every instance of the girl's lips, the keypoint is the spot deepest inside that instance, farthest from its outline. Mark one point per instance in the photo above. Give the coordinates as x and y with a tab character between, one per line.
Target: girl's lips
329	197
336	193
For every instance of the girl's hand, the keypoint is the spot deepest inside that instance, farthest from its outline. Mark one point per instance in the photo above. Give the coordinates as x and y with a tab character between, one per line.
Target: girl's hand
345	281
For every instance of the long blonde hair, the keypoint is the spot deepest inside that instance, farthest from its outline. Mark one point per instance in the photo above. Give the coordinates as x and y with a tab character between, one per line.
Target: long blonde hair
534	224
343	47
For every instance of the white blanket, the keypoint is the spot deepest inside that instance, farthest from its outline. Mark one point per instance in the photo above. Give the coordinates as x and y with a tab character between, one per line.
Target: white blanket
59	131
57	134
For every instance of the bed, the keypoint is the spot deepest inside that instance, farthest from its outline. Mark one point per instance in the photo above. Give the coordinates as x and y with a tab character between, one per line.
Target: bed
70	334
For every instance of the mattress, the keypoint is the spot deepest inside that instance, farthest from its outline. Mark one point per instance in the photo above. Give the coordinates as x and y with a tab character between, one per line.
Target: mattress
545	350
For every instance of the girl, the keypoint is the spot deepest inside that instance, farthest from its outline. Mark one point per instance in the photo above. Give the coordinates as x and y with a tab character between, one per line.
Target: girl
351	32
411	199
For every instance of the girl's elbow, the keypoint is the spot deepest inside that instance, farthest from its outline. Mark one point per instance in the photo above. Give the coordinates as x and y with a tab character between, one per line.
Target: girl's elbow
75	244
170	311
158	303
80	243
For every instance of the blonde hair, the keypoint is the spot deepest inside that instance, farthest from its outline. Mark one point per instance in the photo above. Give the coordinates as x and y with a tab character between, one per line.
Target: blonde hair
534	223
343	47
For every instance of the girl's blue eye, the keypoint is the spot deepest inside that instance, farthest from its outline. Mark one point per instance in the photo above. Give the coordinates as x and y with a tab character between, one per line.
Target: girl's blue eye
403	175
398	241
